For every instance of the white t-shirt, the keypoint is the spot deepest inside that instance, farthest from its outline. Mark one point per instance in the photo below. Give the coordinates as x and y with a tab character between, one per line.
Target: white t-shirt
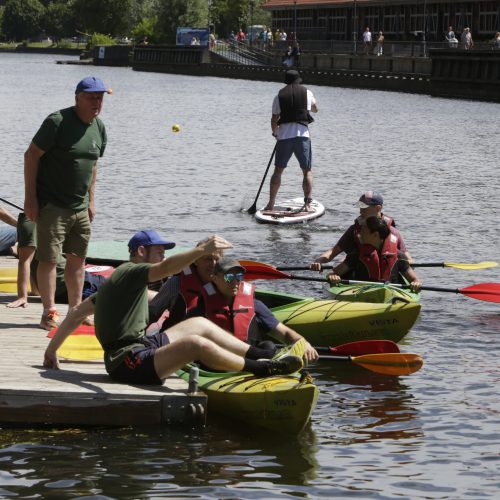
294	129
367	37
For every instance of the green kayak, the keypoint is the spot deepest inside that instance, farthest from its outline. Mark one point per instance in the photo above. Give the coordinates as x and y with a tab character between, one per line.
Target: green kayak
334	322
376	293
279	404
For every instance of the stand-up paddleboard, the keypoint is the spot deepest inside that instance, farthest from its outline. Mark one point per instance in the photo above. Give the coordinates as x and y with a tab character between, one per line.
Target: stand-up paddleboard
290	212
81	345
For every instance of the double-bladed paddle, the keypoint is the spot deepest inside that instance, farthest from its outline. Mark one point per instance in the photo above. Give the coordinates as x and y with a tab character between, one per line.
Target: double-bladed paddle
489	292
467	266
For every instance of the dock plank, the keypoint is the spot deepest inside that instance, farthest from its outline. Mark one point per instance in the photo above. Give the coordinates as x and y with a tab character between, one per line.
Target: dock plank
80	393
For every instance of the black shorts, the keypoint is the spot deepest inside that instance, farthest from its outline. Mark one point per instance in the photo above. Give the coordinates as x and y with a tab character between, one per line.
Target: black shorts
138	366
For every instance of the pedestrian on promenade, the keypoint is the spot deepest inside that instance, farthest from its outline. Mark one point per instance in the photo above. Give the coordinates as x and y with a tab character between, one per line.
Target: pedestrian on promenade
380	43
367	40
290	126
60	169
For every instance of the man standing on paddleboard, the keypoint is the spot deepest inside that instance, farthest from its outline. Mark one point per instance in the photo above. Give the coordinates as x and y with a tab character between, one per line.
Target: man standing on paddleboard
290	126
60	168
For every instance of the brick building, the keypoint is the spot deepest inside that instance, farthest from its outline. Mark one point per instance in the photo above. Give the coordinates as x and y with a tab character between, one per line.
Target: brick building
399	20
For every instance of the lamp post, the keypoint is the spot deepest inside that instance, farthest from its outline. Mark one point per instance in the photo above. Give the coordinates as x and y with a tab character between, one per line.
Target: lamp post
295	19
425	27
354	28
252	34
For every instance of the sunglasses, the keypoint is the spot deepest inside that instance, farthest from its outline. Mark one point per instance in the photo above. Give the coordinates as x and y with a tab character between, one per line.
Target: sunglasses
228	277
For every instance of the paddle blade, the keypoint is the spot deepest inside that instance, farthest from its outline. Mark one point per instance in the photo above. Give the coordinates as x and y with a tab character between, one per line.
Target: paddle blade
390	364
365	347
252	209
258	271
472	266
81	348
489	292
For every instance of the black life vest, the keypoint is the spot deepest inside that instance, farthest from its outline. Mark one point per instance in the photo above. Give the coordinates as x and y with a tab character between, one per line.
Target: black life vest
293	105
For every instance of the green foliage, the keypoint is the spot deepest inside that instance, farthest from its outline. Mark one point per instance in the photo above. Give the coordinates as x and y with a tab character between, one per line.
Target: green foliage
59	19
99	39
180	13
145	28
103	16
22	19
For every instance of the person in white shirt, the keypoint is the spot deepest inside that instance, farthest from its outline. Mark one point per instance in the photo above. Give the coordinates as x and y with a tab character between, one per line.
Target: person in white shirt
367	40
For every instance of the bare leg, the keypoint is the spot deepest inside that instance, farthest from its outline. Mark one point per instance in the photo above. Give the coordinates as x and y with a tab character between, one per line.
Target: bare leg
307	185
202	327
46	277
73	276
199	339
274	187
23	276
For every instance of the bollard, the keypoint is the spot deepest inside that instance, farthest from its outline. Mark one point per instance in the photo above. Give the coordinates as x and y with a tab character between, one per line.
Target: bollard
194	371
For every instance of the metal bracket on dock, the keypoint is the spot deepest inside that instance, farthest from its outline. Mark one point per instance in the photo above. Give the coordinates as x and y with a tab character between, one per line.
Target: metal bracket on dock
185	409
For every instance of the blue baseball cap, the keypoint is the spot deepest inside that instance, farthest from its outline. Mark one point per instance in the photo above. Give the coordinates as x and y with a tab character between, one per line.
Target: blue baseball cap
370	199
146	238
91	84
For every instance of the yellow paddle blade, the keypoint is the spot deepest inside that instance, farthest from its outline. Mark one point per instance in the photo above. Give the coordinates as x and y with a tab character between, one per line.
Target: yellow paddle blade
401	363
478	265
81	348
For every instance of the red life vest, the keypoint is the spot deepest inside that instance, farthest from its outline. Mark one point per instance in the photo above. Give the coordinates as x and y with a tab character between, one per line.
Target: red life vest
235	319
191	288
379	265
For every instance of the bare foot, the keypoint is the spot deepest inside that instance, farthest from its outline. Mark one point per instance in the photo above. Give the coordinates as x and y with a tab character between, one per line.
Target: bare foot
268	208
18	303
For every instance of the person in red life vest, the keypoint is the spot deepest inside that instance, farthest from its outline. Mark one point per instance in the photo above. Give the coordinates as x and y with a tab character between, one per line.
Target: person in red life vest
230	303
179	295
377	258
121	317
370	204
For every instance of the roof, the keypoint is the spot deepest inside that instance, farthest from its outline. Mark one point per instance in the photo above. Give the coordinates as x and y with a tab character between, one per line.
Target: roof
270	4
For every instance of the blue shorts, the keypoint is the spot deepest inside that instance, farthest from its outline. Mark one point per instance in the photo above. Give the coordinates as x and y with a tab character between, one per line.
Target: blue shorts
138	366
7	239
299	146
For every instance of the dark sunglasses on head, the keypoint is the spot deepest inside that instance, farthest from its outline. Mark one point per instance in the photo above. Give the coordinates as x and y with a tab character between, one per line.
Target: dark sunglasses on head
228	277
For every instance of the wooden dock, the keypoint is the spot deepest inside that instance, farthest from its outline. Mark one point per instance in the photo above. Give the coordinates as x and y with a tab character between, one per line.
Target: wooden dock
80	394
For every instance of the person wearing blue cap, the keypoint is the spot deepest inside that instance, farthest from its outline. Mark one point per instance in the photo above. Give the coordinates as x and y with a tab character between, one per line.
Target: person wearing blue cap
120	309
60	168
370	204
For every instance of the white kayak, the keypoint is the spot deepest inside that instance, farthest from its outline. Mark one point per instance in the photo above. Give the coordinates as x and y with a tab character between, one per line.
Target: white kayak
290	212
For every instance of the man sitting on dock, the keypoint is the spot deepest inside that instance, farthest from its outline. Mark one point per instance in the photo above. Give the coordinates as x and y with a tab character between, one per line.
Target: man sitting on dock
120	309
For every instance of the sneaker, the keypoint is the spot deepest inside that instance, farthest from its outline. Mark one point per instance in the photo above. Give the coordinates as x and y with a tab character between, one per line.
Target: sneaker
296	349
285	365
50	320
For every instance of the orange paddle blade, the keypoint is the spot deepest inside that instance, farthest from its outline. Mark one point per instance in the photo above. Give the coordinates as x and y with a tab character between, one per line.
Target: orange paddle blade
390	363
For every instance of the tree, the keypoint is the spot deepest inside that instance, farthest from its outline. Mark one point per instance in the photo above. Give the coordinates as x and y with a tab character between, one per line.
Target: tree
180	13
22	19
103	16
59	19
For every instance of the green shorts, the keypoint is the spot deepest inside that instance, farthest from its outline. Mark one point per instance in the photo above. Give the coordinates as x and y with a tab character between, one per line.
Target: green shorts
61	230
26	231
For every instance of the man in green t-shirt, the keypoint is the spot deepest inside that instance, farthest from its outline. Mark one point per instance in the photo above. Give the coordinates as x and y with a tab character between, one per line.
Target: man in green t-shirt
120	309
60	167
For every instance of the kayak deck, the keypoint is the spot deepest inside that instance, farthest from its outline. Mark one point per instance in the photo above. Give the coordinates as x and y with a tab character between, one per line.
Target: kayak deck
376	293
333	322
279	404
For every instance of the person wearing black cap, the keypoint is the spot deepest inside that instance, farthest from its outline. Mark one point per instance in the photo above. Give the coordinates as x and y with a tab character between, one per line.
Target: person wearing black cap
120	309
60	168
370	204
290	126
230	302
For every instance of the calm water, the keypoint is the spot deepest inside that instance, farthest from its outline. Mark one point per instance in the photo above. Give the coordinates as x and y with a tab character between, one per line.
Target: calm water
435	434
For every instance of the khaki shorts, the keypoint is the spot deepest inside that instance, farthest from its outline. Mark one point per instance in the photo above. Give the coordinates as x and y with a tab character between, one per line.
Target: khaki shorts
26	231
61	230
